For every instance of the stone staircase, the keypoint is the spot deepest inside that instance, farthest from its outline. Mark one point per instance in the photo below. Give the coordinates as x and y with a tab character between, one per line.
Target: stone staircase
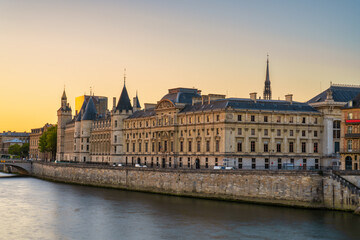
352	187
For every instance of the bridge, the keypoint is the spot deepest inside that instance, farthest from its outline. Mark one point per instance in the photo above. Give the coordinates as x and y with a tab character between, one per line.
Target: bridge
24	167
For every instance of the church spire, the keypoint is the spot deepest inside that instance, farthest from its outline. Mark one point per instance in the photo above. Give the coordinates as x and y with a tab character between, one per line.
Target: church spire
267	89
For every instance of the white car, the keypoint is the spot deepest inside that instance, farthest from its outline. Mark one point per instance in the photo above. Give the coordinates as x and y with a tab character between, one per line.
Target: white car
144	166
219	167
119	165
229	168
137	165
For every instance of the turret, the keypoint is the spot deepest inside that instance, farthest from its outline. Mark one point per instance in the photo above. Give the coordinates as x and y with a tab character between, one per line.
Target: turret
64	116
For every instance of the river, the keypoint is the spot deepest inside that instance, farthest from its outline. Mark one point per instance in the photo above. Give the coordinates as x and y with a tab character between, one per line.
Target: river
35	209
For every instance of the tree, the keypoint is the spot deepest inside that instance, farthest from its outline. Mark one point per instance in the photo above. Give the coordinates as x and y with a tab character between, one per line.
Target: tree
15	150
47	141
24	149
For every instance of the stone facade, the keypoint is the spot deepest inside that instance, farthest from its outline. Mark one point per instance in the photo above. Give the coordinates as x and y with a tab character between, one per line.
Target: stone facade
290	188
35	135
8	139
350	135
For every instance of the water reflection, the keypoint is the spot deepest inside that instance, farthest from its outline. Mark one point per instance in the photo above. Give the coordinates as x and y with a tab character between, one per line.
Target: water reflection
35	209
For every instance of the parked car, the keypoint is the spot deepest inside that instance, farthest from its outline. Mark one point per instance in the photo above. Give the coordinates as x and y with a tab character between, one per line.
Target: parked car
137	165
114	164
119	165
144	166
219	167
229	168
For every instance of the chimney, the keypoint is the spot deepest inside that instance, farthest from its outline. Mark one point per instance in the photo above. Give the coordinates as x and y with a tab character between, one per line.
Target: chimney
253	96
288	98
114	102
134	104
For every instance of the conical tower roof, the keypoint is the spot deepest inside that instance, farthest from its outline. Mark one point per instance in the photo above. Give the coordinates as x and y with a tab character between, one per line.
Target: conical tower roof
124	101
137	102
90	111
64	96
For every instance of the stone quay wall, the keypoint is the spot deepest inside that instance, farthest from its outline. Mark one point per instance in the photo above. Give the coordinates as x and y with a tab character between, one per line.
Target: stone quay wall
290	188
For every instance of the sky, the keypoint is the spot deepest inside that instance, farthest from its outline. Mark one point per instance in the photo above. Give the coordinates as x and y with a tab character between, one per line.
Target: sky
217	46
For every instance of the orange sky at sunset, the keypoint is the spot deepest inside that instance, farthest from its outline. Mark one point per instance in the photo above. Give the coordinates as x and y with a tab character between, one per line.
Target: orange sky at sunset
210	45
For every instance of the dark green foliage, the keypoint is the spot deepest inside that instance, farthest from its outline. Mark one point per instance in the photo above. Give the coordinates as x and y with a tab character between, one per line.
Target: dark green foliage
47	141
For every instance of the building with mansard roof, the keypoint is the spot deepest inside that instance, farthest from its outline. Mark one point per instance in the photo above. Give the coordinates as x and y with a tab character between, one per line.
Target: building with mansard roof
329	103
187	129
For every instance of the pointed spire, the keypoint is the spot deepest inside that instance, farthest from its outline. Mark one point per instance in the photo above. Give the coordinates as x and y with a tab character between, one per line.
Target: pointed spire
124	76
137	101
64	95
124	100
267	89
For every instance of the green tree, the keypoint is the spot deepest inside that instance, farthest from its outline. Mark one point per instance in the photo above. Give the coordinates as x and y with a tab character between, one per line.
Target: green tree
15	150
24	150
47	141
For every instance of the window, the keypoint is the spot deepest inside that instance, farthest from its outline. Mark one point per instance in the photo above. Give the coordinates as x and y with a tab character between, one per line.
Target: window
139	147
87	147
252	131
115	123
266	132
291	133
239	131
278	147
146	146
303	133
217	146
266	163
349	145
265	118
336	129
207	118
315	122
165	146
181	146
303	147
278	132
240	163
252	145
180	162
291	147
252	118
216	161
266	147
279	163
153	147
291	120
127	147
206	163
350	116
303	120
217	117
159	146
239	118
316	163
316	148
198	146
315	133
349	130
208	146
172	146
253	163
239	146
133	147
189	149
278	119
115	138
217	131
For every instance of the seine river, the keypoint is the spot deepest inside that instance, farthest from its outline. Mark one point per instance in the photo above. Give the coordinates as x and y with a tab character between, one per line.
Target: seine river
35	209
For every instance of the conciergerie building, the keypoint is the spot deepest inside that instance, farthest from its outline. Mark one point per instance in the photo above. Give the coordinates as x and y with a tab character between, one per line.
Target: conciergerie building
187	129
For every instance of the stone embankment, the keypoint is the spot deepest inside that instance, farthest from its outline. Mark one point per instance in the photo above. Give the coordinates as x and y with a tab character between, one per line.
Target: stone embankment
291	188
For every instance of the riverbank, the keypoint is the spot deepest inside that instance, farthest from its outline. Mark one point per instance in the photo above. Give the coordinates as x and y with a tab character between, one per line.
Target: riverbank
307	189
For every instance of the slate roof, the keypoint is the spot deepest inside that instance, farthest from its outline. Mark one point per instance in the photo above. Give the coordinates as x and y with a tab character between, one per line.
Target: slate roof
82	110
90	111
183	95
238	103
355	102
339	93
124	101
248	104
137	102
15	134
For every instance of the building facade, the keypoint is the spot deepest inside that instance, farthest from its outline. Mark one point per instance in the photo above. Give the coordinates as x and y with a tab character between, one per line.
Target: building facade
10	138
329	103
350	135
35	135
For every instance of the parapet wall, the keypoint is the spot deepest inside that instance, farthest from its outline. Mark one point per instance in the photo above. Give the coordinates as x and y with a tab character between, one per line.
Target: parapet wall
291	188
